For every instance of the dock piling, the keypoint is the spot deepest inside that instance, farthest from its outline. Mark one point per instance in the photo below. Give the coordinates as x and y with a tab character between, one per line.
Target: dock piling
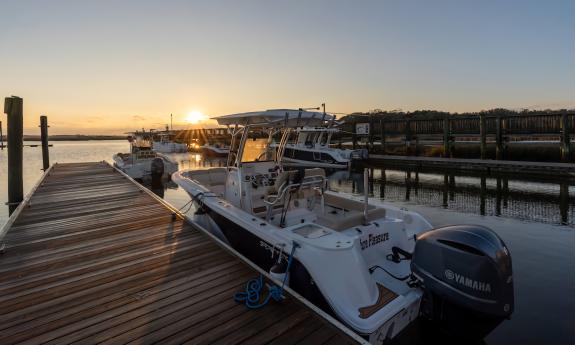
483	135
565	138
44	139
446	138
13	108
1	137
499	138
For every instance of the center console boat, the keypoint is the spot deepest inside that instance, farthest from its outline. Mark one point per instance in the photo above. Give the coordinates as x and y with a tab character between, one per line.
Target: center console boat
374	266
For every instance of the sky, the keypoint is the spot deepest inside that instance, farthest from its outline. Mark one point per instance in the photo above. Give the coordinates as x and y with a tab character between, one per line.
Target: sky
107	67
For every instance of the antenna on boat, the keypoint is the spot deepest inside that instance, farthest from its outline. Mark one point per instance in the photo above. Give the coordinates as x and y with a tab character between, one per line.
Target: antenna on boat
323	116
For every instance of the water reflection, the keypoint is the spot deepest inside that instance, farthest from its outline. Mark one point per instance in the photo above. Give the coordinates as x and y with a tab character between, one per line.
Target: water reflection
539	200
504	196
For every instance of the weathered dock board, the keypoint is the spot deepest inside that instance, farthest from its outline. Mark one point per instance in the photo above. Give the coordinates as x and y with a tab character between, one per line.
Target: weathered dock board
487	165
91	257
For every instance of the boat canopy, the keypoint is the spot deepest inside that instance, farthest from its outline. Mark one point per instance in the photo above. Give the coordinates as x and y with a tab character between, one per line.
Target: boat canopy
276	118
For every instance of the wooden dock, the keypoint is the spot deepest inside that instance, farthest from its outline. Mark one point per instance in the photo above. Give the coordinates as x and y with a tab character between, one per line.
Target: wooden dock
477	165
92	257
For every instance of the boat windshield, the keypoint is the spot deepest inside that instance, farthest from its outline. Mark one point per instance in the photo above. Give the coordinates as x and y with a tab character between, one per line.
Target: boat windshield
255	150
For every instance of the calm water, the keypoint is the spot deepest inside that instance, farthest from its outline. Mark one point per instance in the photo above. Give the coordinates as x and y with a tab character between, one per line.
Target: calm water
534	217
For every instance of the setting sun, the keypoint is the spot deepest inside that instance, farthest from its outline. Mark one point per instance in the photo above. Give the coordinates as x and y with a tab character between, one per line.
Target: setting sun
195	117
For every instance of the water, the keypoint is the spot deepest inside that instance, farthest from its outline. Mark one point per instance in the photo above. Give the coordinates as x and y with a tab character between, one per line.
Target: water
534	217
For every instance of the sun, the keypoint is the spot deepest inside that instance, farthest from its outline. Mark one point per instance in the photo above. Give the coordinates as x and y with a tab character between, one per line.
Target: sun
195	117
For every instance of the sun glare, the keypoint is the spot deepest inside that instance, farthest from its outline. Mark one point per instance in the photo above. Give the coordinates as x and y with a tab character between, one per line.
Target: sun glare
195	117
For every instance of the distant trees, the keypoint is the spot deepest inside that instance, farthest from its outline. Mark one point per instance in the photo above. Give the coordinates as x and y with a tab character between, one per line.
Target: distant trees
398	114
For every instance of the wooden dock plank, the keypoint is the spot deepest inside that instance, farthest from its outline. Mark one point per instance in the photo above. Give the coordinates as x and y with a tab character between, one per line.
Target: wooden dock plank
92	258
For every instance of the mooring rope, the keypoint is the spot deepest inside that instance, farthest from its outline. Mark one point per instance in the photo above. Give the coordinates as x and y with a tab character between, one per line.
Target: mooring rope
252	295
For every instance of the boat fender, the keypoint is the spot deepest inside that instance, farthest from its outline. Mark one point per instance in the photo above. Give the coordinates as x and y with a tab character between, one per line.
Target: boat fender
279	272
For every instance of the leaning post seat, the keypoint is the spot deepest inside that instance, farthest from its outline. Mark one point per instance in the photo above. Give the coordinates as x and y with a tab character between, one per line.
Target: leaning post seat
312	180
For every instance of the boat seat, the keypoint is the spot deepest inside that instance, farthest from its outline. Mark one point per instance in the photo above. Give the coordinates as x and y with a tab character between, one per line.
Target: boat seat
348	219
348	213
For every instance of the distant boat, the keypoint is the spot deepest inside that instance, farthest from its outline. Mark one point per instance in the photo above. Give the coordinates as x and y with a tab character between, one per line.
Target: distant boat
311	148
164	142
215	150
142	161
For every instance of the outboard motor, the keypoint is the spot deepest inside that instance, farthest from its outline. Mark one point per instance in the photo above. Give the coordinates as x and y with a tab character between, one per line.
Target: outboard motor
157	171
466	275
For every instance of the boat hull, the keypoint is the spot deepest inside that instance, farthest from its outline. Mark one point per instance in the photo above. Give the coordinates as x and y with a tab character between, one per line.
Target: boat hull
262	253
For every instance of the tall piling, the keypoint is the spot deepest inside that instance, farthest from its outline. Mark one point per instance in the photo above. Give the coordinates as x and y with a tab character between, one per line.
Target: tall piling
483	135
446	137
1	137
44	139
499	149
565	138
382	131
13	108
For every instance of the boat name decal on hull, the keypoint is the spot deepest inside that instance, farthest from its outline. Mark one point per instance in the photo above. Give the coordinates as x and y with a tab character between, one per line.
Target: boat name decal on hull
373	239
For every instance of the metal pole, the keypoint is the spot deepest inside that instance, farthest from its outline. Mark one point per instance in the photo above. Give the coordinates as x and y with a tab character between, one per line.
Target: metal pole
13	108
44	138
365	194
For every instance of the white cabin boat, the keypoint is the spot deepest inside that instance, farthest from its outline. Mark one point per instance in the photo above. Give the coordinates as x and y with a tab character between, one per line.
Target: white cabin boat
376	267
164	142
311	148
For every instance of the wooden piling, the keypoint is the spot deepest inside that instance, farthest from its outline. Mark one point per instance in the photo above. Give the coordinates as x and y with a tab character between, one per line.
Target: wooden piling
445	190
44	139
1	137
408	137
564	203
446	138
382	131
565	138
371	133
483	135
483	195
13	108
499	138
498	197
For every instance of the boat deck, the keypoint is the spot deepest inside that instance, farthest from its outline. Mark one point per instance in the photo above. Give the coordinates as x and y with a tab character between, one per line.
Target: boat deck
92	257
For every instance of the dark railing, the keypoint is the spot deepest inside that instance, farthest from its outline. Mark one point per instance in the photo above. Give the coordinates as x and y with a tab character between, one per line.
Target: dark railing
482	128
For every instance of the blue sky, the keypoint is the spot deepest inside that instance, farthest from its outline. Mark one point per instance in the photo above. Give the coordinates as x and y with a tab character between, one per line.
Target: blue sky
110	66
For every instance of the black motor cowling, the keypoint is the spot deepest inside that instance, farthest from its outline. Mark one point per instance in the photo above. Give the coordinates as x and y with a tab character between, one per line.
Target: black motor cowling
467	278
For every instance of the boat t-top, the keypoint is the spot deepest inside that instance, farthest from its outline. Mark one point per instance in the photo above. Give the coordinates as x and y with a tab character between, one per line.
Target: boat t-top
374	266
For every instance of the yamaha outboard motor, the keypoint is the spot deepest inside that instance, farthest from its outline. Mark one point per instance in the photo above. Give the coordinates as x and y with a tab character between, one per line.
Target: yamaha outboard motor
466	275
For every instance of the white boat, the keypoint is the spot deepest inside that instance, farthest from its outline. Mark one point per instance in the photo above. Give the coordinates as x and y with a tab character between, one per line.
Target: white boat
142	161
214	150
311	148
164	142
376	267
